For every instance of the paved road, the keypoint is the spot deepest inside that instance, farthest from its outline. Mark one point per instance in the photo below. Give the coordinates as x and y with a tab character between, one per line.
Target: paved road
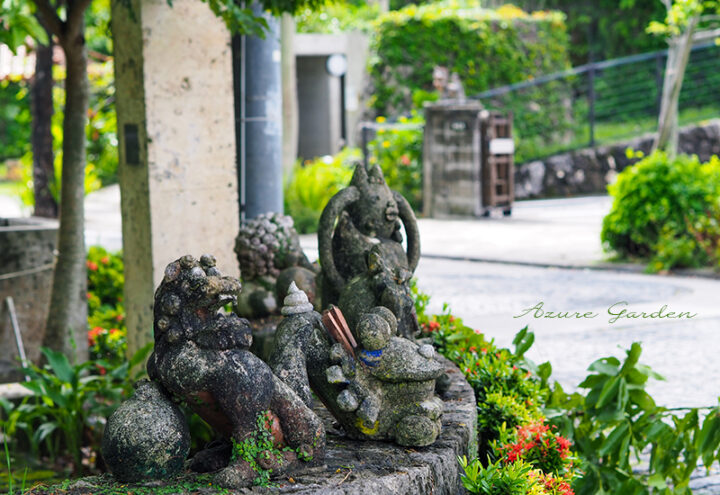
490	297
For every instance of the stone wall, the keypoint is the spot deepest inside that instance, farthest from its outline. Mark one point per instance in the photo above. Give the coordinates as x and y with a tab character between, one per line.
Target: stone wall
589	171
26	261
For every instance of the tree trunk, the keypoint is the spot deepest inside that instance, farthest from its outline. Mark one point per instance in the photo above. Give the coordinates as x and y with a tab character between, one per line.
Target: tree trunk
289	90
41	107
67	321
678	57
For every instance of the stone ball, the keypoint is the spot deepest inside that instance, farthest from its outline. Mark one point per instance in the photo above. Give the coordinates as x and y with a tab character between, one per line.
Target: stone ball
388	315
147	437
373	332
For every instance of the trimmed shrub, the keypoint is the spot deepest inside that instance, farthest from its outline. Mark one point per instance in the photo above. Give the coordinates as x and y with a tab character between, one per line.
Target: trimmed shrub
487	48
313	184
659	205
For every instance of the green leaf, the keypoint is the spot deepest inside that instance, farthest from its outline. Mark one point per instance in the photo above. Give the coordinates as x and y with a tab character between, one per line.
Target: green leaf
609	391
633	355
141	354
544	371
615	439
606	366
642	399
709	437
60	365
44	430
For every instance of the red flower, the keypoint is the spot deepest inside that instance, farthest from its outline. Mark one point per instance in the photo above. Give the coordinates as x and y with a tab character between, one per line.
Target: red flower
119	317
472	348
433	325
405	160
114	331
93	334
105	260
92	266
101	369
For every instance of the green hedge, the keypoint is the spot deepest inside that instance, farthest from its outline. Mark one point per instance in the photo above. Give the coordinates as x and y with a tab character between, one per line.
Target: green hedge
487	48
666	210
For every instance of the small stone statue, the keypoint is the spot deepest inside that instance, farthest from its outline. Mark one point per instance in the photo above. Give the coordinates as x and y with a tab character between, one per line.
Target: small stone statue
147	437
448	85
201	358
377	385
268	251
367	242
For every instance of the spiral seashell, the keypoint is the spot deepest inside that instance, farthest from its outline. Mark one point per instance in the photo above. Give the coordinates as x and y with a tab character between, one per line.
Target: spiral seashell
295	302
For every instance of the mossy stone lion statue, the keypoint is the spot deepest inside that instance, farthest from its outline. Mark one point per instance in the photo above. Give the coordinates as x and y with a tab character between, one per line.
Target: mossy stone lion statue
361	226
202	358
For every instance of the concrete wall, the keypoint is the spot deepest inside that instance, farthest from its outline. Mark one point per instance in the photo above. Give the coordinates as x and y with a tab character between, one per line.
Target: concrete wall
26	262
179	183
590	170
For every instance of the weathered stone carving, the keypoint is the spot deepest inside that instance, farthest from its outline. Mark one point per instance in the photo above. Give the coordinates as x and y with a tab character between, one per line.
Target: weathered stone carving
268	251
377	385
367	243
147	437
201	357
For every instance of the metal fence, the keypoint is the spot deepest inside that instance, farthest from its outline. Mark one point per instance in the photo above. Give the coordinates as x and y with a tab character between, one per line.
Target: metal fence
603	102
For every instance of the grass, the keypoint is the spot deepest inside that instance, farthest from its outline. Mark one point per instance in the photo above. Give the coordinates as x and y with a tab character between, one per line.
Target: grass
607	133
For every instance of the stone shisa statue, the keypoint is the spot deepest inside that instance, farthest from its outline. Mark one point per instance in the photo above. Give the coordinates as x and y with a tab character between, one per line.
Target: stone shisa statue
268	251
201	359
359	236
377	385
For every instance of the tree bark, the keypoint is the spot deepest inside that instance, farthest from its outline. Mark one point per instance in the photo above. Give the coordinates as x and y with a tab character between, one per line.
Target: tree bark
41	107
67	321
678	58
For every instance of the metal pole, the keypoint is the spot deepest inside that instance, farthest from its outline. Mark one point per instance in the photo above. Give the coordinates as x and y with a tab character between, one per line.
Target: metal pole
259	138
18	336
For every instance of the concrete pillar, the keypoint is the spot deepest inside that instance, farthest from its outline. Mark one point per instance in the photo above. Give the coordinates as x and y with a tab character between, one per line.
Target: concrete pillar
176	130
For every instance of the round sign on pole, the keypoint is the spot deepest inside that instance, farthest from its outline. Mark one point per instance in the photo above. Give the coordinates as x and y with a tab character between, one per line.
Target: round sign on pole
336	65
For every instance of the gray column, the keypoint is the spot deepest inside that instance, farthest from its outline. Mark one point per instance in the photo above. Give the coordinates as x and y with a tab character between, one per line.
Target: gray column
258	90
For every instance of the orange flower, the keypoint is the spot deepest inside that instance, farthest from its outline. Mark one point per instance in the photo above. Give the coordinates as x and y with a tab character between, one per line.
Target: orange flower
93	334
92	266
105	260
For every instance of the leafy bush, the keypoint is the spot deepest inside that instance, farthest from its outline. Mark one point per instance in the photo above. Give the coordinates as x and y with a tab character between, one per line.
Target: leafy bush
398	151
14	118
614	420
313	184
338	17
486	48
69	404
657	204
617	418
500	412
537	444
496	478
106	313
